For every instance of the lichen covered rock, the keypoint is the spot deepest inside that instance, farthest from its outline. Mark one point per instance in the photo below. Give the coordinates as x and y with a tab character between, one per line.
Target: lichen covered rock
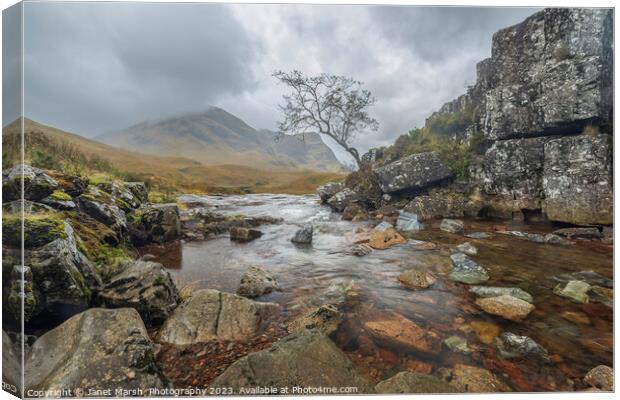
37	184
412	173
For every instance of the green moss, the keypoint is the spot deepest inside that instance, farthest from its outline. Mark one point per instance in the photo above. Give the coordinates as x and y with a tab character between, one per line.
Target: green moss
39	229
159	281
59	195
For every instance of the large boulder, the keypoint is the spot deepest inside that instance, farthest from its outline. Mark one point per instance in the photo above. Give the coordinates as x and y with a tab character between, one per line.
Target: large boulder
329	189
99	205
409	382
450	202
256	282
145	286
37	184
342	199
577	180
413	173
98	349
11	365
306	359
303	235
59	278
552	73
159	223
506	306
212	315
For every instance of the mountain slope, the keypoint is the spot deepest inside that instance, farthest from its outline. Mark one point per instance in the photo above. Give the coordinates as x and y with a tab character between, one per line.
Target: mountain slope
217	137
51	148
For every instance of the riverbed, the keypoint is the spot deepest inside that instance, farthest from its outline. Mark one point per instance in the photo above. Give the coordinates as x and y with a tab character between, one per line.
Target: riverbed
368	287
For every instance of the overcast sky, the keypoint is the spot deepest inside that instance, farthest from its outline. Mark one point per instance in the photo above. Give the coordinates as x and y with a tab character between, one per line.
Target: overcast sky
92	68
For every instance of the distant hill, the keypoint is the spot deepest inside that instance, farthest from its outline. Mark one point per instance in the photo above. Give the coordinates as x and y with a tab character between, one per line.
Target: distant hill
216	137
51	148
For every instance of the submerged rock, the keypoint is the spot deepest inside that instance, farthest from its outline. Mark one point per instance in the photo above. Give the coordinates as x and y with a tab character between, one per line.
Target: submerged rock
466	270
409	382
212	315
485	331
478	235
602	295
37	184
412	173
398	331
361	250
98	349
244	234
452	225
304	235
509	345
591	277
421	245
576	317
506	306
408	222
145	286
468	378
325	318
587	233
384	239
600	377
416	279
577	291
256	282
494	291
457	344
467	248
303	359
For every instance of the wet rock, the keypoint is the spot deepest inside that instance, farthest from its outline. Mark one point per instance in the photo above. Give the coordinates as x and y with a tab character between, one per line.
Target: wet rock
509	345
161	222
591	277
409	382
329	189
466	270
412	173
467	248
325	318
457	344
577	291
342	199
304	235
408	222
448	202
506	306
307	359
452	225
351	211
244	234
139	190
468	378
600	377
586	233
494	291
551	238
400	332
73	185
98	349
384	239
102	210
486	331
62	278
478	235
383	225
37	184
256	282
212	315
361	250
29	207
11	365
421	245
576	317
577	180
65	205
145	286
416	279
602	295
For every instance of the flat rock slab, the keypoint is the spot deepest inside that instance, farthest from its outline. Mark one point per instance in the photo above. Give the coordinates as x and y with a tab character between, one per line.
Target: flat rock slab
468	378
307	359
384	239
400	332
409	382
97	349
212	315
412	173
466	270
239	234
576	291
452	225
506	306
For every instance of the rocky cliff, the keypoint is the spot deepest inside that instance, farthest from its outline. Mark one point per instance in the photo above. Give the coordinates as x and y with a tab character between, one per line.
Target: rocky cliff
542	107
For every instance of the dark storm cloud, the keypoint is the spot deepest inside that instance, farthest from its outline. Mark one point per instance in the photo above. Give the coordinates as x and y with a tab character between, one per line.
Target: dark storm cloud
96	67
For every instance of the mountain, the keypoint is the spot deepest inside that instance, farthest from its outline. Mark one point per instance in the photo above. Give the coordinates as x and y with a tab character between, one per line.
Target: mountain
51	148
217	137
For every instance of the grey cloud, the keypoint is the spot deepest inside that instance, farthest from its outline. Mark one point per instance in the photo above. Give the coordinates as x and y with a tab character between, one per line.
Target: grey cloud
95	67
11	64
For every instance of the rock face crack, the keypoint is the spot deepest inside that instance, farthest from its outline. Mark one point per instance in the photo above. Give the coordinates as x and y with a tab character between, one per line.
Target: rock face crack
219	313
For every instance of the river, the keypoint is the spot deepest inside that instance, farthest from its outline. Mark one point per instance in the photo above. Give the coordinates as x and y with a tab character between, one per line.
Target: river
316	274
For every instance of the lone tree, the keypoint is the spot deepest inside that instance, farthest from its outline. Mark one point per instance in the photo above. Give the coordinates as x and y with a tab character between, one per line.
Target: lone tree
333	105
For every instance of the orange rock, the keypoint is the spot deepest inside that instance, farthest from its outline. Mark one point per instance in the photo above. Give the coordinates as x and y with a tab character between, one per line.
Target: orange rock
418	366
399	331
556	358
388	356
381	240
486	331
476	380
506	306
